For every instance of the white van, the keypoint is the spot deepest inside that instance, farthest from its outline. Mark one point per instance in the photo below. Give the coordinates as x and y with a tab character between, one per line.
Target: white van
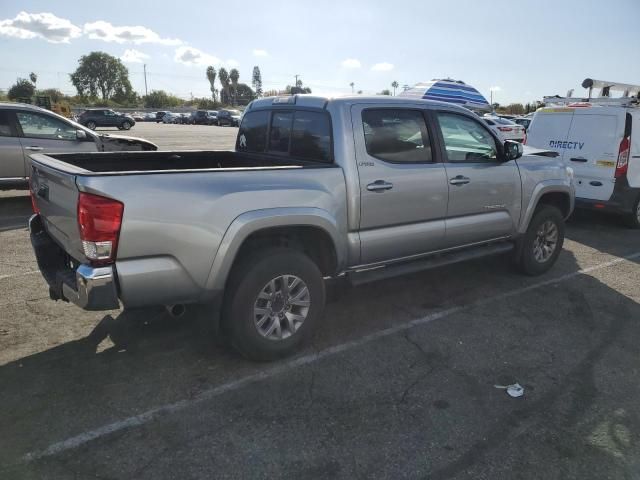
598	143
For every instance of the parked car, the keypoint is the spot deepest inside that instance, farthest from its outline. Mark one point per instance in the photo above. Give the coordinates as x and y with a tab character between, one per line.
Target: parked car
213	116
170	117
103	117
202	117
316	188
602	145
27	129
138	117
228	117
160	115
524	122
150	117
505	129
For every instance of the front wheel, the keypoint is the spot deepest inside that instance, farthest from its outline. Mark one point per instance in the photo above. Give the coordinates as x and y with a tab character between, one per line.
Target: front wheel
538	250
273	300
126	125
91	125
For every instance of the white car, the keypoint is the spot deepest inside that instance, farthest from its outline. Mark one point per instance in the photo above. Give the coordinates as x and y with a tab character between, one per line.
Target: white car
598	143
505	129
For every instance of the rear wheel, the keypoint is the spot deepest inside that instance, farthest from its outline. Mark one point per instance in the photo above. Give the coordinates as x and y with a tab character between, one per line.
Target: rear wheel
273	300
633	219
91	125
539	248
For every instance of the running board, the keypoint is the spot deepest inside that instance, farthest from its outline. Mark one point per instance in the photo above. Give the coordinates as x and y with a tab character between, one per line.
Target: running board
434	261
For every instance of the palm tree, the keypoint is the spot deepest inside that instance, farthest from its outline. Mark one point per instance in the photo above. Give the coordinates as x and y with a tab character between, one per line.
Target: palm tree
223	75
211	76
394	85
351	85
234	75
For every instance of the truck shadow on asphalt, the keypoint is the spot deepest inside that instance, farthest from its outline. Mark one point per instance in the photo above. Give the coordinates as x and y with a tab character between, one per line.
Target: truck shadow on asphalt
15	212
573	345
604	232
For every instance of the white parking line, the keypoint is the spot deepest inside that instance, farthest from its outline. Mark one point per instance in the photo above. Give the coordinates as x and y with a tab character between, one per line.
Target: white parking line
21	274
145	417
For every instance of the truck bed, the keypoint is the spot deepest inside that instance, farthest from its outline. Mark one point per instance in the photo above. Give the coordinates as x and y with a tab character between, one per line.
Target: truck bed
169	161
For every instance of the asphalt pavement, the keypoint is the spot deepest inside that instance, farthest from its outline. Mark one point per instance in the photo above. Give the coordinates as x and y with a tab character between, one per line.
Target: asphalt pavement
399	381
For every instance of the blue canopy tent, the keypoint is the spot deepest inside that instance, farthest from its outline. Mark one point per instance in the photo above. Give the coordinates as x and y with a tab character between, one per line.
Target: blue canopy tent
451	91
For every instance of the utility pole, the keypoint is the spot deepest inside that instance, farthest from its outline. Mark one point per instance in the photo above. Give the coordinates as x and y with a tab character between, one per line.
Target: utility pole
296	75
145	80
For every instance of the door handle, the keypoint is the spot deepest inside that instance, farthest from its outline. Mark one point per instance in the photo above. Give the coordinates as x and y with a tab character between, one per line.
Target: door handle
34	148
379	186
459	180
579	159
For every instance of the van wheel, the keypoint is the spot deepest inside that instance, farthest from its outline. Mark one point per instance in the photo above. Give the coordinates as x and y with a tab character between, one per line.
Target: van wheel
542	243
274	299
633	219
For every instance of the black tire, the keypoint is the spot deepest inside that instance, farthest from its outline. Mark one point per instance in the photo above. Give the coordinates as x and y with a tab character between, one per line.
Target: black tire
633	219
247	281
126	125
526	259
91	125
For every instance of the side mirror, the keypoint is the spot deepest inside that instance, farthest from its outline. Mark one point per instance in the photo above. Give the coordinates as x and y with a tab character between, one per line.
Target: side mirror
81	135
512	150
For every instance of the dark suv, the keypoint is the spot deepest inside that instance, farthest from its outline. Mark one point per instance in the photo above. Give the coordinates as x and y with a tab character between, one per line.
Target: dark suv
229	117
105	118
202	117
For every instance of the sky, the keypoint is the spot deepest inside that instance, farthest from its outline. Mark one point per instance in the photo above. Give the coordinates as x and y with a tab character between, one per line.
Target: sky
520	50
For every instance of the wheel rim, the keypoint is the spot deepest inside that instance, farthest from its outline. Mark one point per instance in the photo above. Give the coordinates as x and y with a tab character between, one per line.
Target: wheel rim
546	241
91	125
282	307
126	125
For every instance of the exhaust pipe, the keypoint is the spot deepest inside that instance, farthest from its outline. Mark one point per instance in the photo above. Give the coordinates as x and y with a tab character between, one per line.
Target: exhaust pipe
176	311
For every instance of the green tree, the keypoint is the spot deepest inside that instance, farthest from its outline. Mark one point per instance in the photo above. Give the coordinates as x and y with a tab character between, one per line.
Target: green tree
225	96
352	85
256	81
23	88
394	85
33	77
211	76
515	108
101	74
297	89
161	99
54	94
234	76
386	91
244	94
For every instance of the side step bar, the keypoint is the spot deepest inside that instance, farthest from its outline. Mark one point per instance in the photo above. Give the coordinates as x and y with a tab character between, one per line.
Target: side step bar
434	261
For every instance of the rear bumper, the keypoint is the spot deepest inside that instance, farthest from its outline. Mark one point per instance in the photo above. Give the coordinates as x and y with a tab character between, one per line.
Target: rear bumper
622	201
90	288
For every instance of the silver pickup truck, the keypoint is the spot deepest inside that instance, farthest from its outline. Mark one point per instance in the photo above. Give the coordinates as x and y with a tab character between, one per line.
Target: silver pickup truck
364	188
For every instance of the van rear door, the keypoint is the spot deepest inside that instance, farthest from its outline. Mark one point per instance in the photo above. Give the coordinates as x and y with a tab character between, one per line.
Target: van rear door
591	150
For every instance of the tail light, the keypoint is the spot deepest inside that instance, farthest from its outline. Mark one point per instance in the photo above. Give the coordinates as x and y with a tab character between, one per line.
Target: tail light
623	157
505	129
34	206
99	221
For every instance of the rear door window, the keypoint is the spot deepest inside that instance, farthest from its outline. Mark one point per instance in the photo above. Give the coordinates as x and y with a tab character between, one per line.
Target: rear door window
5	124
396	135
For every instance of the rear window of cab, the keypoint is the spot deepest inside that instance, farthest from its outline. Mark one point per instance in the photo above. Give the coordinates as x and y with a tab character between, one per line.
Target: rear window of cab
297	133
